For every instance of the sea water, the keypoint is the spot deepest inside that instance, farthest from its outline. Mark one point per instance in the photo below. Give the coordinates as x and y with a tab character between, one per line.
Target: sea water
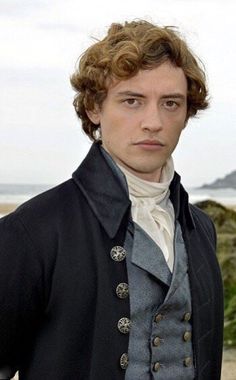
226	197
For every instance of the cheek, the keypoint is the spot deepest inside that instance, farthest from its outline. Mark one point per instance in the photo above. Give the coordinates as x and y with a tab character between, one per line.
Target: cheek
177	136
174	134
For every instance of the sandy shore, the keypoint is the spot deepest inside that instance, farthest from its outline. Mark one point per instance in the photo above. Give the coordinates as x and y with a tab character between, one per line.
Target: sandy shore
229	365
5	208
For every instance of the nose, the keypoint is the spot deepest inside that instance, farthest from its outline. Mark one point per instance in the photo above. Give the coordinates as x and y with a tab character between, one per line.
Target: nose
152	120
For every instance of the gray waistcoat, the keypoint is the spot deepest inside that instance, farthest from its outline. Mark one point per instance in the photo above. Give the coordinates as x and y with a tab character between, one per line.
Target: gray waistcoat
160	344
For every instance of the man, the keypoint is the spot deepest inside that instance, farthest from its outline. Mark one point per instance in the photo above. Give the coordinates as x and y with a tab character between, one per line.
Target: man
112	274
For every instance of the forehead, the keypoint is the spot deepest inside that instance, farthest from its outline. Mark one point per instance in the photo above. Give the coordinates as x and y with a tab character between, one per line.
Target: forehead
166	78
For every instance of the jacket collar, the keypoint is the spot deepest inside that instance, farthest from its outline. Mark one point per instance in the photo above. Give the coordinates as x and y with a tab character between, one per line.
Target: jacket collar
103	190
107	196
180	200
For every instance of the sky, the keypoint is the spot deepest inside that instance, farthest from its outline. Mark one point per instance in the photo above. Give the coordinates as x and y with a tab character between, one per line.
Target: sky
40	136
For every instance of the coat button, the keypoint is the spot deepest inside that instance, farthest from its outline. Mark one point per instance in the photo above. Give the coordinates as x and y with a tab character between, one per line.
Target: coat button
187	317
156	341
122	290
158	318
187	336
124	325
118	253
124	361
187	362
156	366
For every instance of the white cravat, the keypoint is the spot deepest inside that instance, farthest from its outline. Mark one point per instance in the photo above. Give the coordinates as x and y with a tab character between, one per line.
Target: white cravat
152	210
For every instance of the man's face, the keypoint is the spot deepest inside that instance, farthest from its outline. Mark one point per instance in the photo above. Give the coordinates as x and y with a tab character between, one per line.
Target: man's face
142	118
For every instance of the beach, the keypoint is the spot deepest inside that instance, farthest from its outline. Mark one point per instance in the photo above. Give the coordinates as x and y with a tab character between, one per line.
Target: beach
6	208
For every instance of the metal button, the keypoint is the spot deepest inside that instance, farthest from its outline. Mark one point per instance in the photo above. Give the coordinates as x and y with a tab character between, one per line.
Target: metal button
122	290
156	366
156	341
124	361
124	325
187	317
158	318
118	253
187	336
187	362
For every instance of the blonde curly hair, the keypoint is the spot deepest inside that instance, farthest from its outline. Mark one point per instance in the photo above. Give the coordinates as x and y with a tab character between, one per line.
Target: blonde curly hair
126	49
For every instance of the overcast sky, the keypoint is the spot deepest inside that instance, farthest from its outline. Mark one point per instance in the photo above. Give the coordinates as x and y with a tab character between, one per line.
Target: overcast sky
40	137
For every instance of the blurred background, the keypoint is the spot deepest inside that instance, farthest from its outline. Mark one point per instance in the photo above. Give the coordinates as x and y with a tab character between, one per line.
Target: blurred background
41	142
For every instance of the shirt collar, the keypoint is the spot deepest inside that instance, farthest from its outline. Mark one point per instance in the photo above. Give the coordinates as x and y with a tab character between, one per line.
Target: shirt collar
105	189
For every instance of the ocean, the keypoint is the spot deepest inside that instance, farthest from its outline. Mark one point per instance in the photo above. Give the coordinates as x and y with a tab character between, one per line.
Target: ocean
226	197
19	193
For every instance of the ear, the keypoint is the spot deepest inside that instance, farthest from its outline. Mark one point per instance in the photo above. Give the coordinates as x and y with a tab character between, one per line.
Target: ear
94	115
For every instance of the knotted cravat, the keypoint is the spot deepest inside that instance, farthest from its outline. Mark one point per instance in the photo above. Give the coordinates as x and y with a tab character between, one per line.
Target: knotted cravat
152	210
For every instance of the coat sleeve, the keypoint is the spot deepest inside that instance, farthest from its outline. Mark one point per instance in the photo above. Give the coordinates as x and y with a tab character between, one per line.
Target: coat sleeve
21	299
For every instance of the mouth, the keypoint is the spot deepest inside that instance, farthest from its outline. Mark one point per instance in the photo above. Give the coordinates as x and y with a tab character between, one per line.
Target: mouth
149	143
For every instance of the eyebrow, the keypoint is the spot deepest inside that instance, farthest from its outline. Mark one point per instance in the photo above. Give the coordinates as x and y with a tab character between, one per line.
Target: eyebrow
130	93
174	95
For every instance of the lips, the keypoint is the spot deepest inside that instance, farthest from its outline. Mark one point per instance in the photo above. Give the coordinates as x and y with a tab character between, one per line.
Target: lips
150	142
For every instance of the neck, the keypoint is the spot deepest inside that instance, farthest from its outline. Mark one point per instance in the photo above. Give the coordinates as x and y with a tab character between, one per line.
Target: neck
149	177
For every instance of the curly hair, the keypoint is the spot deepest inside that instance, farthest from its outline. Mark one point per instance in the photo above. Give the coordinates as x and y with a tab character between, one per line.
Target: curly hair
126	49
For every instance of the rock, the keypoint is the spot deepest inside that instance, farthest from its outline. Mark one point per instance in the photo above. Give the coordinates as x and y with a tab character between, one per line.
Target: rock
228	182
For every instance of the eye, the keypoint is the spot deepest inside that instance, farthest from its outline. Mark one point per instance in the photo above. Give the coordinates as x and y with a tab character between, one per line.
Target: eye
171	104
132	102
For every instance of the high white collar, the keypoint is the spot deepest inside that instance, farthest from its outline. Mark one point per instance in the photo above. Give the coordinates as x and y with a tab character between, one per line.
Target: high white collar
140	188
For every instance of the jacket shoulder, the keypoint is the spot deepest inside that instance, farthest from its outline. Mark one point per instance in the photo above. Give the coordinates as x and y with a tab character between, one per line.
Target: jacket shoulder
49	203
203	222
44	216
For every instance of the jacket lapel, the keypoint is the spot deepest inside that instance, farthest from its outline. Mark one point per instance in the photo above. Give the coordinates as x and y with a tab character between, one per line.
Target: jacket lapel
103	190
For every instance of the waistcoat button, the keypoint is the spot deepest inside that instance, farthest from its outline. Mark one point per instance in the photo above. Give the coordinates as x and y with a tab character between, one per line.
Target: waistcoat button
118	253
122	290
187	317
124	361
187	336
187	362
158	318
156	341
124	325
156	366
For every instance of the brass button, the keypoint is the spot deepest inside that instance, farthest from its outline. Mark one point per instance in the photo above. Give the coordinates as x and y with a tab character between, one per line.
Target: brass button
187	336
156	341
124	361
187	317
118	253
124	325
122	290
158	318
156	366
187	362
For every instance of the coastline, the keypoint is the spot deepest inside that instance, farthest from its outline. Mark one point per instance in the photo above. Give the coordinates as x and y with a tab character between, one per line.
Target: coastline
6	208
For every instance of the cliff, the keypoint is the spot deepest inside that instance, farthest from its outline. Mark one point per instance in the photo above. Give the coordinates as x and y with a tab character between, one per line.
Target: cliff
229	181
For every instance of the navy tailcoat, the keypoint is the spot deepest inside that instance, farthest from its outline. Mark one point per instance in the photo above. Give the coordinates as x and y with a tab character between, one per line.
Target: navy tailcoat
58	305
